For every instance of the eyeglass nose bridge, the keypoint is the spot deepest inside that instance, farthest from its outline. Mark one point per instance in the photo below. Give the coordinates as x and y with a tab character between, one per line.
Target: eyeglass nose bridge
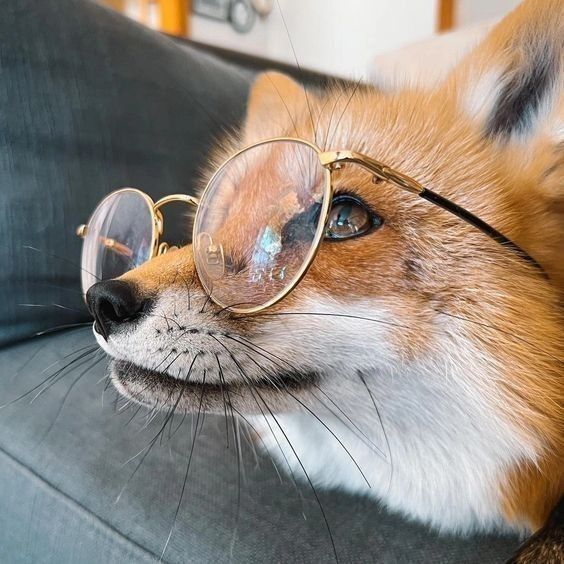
190	200
163	248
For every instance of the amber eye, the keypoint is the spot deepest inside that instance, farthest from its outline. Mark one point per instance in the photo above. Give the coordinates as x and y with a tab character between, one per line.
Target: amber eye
350	217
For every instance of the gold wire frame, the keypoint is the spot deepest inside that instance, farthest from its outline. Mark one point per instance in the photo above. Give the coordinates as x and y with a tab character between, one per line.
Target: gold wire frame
157	224
319	234
158	248
329	161
156	227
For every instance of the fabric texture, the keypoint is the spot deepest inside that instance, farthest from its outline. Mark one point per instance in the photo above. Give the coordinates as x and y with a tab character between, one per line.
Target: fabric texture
63	465
90	102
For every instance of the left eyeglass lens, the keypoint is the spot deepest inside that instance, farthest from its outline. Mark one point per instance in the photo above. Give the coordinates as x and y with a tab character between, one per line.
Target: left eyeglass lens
119	237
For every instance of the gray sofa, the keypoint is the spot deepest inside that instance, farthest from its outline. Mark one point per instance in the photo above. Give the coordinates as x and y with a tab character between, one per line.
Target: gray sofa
88	102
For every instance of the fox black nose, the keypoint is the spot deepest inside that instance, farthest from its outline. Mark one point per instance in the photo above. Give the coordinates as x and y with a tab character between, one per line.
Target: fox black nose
113	302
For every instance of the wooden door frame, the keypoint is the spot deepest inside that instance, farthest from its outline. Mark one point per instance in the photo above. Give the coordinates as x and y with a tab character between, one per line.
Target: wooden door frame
446	15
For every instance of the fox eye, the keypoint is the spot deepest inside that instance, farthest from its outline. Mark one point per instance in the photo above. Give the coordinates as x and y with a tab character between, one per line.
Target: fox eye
350	217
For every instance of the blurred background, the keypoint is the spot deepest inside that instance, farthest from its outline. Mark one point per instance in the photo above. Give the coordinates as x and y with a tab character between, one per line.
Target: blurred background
349	38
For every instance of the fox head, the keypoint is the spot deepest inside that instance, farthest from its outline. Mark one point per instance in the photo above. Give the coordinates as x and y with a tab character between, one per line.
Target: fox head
423	330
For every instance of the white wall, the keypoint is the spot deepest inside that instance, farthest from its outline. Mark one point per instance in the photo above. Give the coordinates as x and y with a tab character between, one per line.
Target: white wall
339	37
470	12
342	37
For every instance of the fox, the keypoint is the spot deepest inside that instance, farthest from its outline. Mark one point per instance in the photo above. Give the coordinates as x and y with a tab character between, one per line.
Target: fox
418	363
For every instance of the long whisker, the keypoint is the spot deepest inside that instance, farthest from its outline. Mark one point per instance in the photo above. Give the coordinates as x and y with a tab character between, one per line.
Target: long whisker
137	410
58	257
244	376
28	362
328	314
153	441
238	454
284	104
83	325
187	470
363	436
72	288
171	434
223	390
237	442
311	412
55	305
320	113
67	394
360	375
352	95
55	377
534	347
161	440
62	373
257	434
299	69
273	358
328	129
320	505
262	352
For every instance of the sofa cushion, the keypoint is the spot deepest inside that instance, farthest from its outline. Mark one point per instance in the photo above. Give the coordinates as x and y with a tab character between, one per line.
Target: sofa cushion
64	462
89	102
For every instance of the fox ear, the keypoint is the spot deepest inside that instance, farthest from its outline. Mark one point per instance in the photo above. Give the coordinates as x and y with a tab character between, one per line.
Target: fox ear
512	87
512	83
275	101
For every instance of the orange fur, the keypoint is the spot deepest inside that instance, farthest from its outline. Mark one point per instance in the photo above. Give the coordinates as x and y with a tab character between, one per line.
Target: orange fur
531	492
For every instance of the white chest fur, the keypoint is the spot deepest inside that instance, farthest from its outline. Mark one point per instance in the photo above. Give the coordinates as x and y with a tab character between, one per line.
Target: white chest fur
443	454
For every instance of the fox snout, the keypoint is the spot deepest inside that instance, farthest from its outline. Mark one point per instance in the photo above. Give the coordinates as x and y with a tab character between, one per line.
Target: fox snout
118	302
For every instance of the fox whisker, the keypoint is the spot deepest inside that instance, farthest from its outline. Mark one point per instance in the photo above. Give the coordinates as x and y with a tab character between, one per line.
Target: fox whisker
192	446
311	412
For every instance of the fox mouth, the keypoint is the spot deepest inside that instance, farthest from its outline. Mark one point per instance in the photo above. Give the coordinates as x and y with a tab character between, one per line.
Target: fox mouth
157	390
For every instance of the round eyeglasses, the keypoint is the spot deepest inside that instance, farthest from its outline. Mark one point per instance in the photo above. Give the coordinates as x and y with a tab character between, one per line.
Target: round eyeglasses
258	225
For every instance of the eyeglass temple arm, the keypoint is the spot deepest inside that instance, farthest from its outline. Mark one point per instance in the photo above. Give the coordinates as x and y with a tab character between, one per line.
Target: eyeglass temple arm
334	159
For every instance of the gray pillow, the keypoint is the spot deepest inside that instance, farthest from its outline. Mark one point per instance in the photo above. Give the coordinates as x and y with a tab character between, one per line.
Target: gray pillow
89	102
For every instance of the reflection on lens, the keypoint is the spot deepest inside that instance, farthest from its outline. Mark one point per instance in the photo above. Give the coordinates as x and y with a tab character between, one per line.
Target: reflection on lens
259	222
119	237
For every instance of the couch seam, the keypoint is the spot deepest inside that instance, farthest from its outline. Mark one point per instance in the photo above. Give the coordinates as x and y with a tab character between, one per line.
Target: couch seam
60	493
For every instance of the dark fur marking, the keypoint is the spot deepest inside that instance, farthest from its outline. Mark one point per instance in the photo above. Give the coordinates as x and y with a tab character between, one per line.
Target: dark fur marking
545	546
413	269
522	94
